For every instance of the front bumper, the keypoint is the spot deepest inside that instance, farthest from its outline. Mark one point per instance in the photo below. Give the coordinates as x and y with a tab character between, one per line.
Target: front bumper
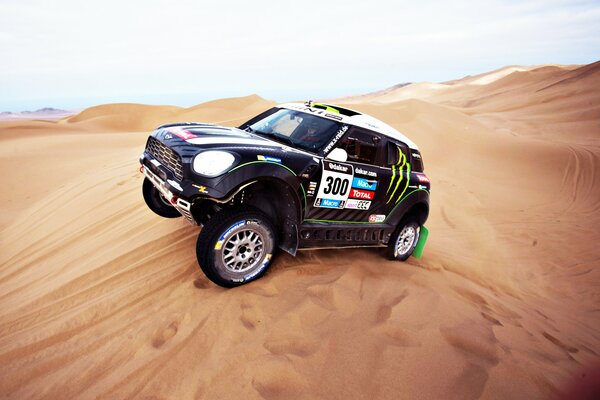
183	206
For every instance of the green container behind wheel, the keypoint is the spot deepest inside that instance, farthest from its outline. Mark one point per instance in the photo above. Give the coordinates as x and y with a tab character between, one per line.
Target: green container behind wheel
423	234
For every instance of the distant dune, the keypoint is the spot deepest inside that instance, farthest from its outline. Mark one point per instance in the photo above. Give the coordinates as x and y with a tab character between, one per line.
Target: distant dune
46	113
102	299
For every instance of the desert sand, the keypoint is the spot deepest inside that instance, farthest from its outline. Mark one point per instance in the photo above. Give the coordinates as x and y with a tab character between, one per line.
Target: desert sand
100	298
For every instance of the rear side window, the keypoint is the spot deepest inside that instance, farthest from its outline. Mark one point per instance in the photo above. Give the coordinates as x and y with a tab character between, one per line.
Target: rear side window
416	160
394	151
361	146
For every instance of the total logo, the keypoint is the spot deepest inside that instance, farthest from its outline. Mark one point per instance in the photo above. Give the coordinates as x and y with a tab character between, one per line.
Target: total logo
361	194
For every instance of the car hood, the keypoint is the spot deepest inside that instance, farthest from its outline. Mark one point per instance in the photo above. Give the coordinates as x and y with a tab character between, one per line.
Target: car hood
210	135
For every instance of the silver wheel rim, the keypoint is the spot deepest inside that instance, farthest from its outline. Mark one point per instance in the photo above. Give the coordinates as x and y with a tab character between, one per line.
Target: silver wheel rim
243	250
406	239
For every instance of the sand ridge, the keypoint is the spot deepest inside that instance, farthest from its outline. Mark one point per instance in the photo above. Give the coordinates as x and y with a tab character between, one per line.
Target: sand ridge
102	299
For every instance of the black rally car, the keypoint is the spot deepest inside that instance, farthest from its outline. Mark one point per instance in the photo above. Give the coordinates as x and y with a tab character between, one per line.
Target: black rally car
297	176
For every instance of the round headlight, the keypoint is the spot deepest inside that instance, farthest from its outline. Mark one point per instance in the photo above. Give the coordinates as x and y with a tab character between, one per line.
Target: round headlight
213	163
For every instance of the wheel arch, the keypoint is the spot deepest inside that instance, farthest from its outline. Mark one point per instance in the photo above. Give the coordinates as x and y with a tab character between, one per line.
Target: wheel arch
281	203
415	205
420	211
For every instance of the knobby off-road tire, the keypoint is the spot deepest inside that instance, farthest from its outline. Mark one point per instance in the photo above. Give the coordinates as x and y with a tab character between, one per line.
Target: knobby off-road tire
236	246
156	202
404	240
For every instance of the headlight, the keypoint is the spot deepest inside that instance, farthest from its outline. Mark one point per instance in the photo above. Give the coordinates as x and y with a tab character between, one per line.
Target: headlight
213	163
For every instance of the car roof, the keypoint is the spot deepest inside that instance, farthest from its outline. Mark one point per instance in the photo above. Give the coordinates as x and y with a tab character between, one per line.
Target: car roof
350	117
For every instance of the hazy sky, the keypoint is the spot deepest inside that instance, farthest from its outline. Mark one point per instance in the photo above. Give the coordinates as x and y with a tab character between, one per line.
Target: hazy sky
74	53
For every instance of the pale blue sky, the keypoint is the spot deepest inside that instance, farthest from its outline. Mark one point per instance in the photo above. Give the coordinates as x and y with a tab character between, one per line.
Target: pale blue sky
73	53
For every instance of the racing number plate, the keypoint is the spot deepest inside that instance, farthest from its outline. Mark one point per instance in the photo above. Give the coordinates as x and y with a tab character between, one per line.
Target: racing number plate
335	185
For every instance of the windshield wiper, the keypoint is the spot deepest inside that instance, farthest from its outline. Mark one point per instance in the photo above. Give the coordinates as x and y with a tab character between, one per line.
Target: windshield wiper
285	139
275	137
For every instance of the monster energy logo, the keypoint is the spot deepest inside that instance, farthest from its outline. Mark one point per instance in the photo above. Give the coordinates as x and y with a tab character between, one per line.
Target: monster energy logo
400	169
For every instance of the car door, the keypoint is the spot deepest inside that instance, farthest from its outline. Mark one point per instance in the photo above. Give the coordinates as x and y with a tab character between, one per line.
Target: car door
353	191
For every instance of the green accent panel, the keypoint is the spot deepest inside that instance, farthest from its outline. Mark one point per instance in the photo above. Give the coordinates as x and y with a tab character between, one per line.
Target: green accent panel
403	158
393	177
305	202
407	181
261	162
400	155
327	108
423	235
339	222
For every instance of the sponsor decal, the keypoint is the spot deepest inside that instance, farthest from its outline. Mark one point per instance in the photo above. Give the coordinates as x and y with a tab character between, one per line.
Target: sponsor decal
259	269
361	194
338	117
182	133
335	139
219	243
329	203
361	183
365	172
358	204
375	218
308	108
270	159
334	187
338	167
416	155
422	178
267	259
400	172
312	187
201	189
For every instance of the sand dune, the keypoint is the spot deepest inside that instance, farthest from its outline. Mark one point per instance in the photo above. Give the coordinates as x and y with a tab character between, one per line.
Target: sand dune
101	298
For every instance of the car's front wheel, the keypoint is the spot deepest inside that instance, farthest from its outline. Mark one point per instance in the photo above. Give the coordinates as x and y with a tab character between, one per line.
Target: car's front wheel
404	240
236	246
157	202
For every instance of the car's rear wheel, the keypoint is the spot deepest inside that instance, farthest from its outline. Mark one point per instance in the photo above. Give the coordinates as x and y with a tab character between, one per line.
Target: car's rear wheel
404	240
157	202
236	246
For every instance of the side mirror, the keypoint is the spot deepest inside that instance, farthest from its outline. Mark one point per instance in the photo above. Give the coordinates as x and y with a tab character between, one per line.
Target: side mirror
338	154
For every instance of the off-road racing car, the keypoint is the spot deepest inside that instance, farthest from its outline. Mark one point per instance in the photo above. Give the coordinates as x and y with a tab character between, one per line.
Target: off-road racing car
297	176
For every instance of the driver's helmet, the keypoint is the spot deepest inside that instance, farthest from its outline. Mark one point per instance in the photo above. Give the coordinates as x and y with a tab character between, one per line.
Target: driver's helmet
312	128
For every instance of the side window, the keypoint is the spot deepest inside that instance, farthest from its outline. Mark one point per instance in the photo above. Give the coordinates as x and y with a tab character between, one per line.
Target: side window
361	146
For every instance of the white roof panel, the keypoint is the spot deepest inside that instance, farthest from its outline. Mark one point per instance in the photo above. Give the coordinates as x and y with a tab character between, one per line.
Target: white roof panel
361	120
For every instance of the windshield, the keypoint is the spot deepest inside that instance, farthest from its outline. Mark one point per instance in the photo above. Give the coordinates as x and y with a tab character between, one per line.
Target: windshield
302	130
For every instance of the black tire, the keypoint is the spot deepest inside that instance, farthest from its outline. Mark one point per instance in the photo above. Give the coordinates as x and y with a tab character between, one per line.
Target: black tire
236	246
156	202
404	240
